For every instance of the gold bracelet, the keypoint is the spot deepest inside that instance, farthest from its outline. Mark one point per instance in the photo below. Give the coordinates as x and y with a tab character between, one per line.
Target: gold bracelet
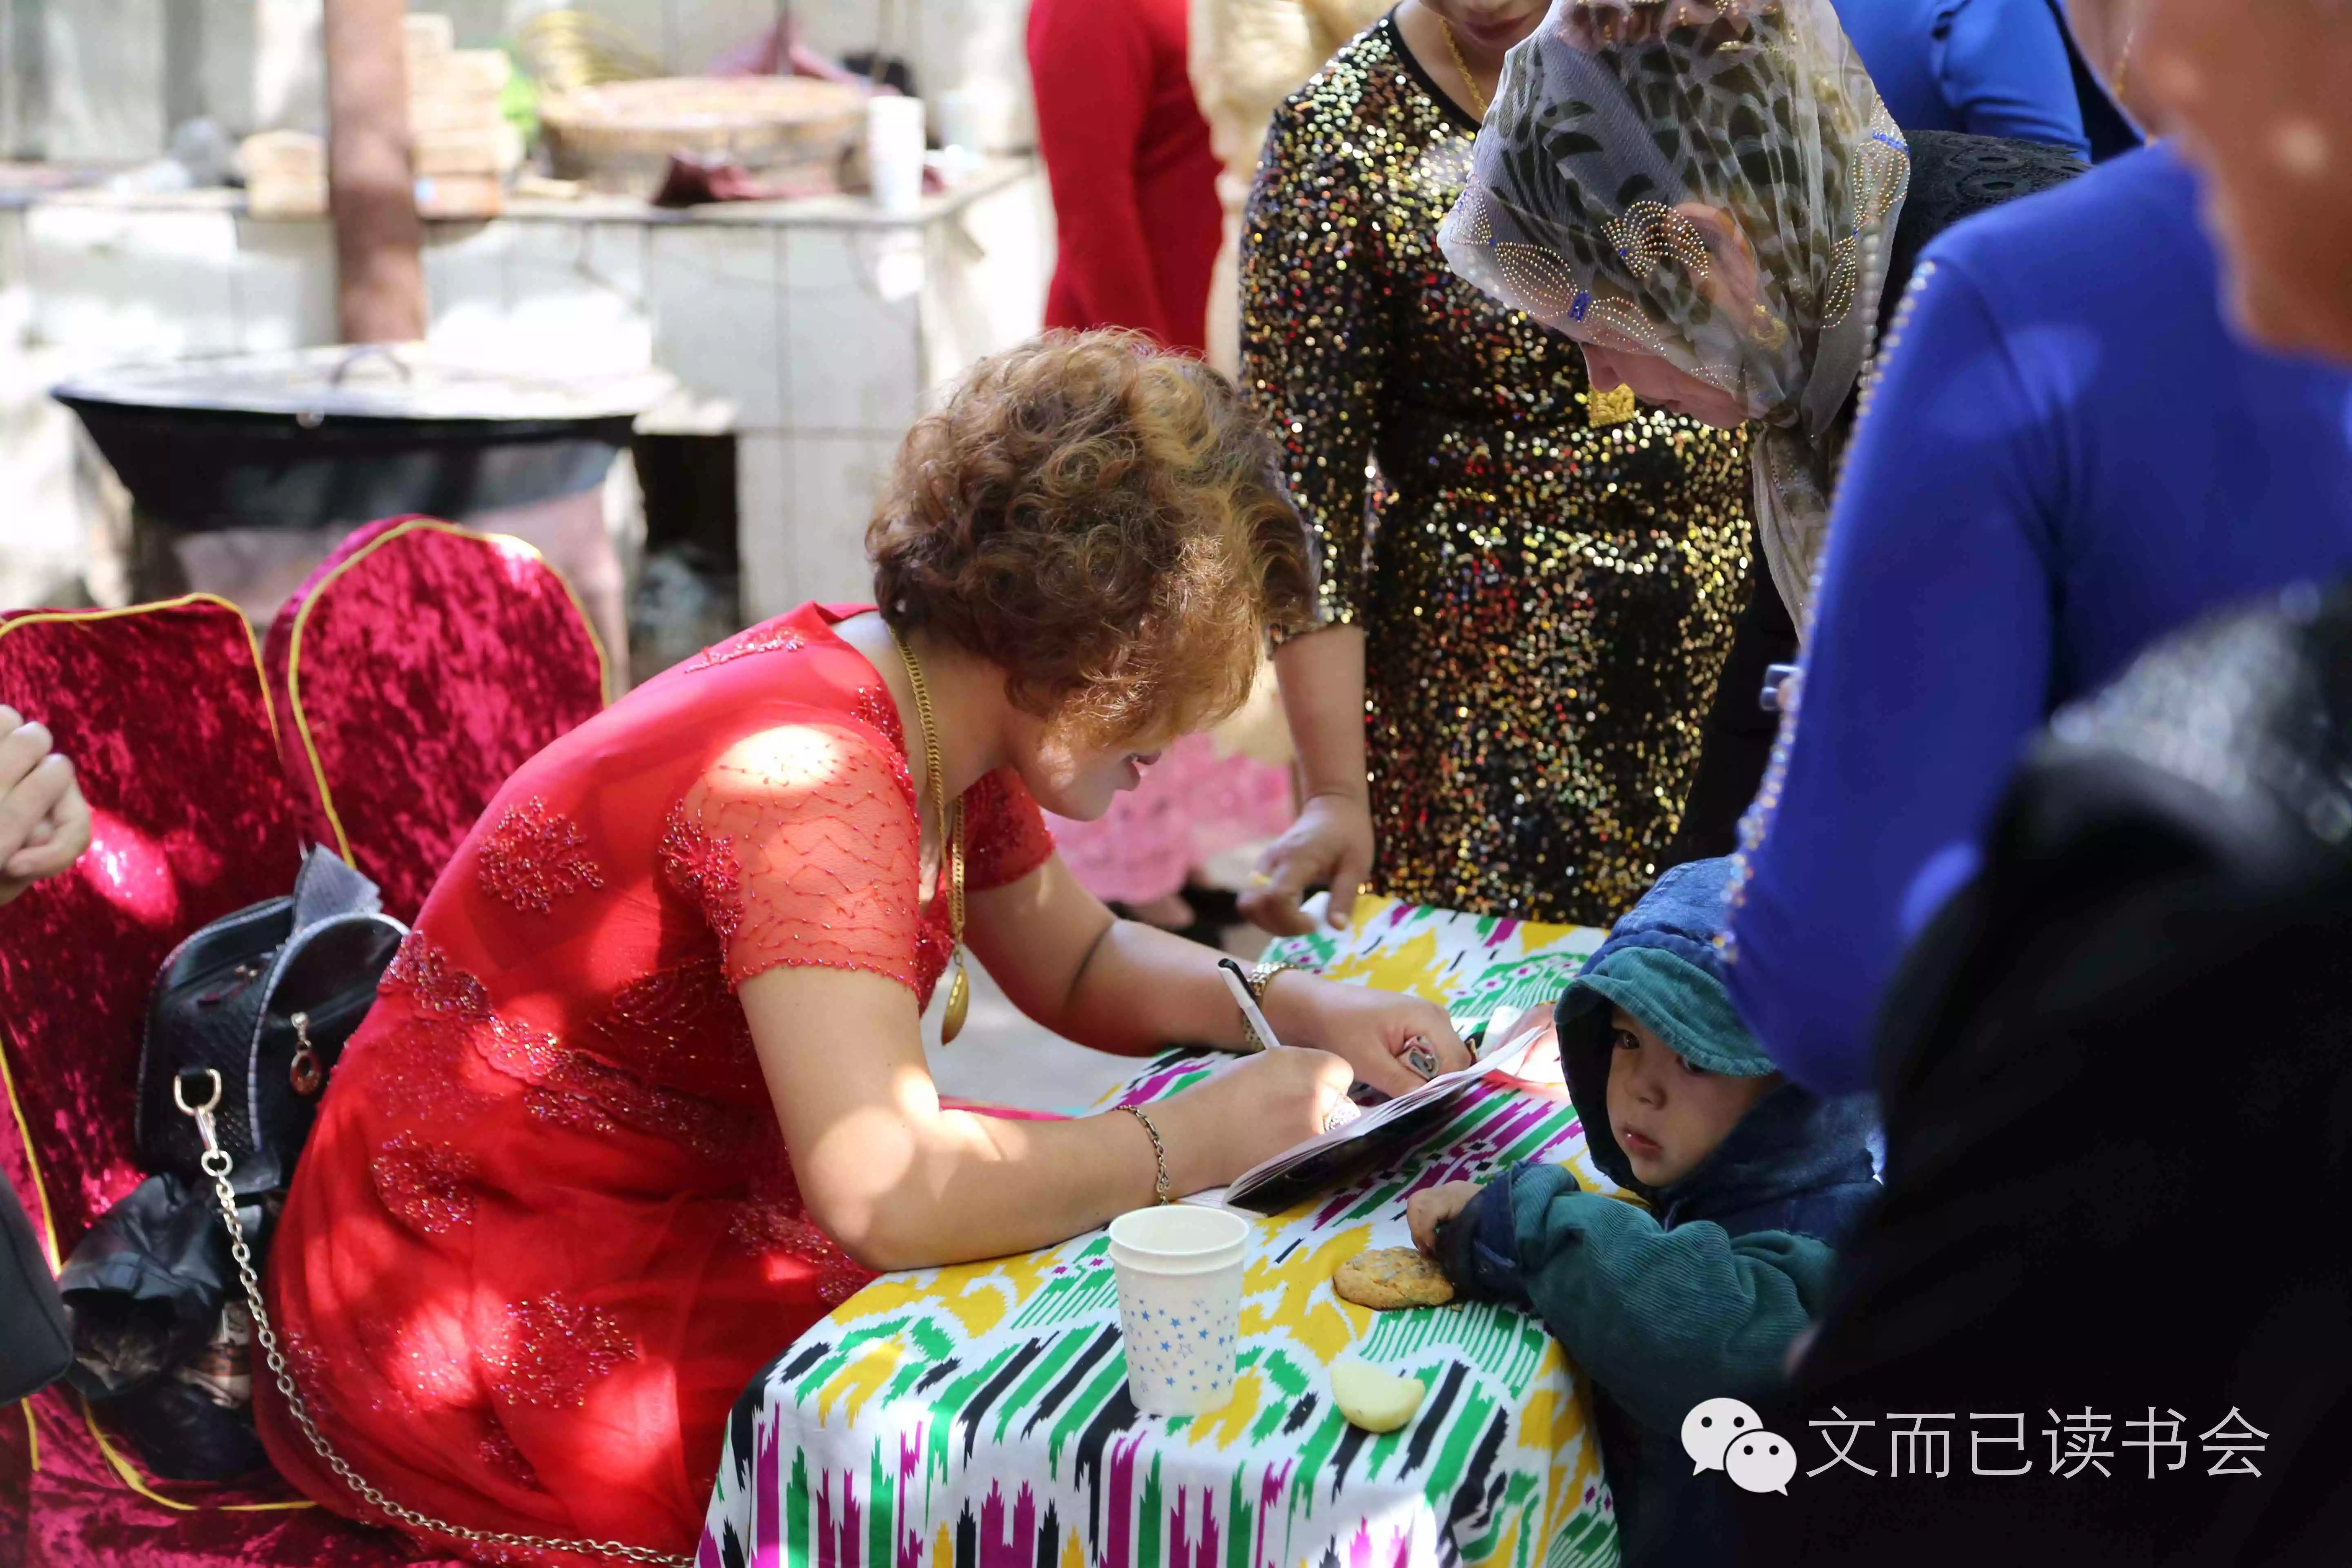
1160	1189
1260	977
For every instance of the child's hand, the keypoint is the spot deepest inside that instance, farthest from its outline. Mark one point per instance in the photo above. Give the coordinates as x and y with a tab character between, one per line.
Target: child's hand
1433	1206
1524	1023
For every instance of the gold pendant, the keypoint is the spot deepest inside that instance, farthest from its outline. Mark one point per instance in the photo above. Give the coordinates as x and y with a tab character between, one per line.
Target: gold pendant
959	1004
1613	407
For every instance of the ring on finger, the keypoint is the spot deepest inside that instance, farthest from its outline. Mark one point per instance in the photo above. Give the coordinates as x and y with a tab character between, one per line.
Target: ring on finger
1421	1057
1339	1115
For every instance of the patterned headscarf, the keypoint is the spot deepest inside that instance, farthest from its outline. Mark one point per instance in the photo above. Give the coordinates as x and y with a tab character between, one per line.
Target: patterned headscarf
1632	148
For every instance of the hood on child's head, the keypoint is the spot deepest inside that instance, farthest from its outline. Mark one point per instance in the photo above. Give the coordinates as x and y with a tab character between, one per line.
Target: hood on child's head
1661	965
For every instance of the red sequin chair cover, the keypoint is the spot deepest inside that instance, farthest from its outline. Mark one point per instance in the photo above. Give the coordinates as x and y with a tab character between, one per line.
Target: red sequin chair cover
163	712
418	667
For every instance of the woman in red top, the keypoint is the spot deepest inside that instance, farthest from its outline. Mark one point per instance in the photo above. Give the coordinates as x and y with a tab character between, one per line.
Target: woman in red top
1134	176
644	1094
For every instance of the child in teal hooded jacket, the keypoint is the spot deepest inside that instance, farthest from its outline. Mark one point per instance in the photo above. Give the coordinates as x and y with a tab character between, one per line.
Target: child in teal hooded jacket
1749	1180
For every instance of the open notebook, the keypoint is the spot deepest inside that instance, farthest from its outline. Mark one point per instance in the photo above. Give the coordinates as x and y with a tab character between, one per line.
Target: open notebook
1329	1157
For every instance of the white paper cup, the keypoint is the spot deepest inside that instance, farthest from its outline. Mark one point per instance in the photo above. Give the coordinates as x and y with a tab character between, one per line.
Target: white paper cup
1178	1269
894	152
963	119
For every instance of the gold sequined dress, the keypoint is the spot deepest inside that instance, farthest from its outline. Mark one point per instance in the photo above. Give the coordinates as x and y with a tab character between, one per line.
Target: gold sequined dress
1546	602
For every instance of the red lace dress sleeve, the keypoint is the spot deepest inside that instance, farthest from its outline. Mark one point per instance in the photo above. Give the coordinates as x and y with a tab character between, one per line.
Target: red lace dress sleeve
1004	832
799	846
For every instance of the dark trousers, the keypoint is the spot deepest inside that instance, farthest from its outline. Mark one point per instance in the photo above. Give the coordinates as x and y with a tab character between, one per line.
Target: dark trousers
1736	741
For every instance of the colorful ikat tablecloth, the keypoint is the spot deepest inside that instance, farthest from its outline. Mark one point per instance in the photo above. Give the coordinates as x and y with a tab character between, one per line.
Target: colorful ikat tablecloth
978	1416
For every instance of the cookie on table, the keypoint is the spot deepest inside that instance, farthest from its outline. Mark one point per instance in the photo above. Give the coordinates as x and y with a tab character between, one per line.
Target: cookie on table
1388	1278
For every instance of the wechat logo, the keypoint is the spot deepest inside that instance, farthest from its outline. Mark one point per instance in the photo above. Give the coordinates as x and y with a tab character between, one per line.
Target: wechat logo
1728	1435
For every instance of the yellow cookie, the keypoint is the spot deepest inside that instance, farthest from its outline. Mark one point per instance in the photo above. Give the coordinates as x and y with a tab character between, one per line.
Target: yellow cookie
1390	1277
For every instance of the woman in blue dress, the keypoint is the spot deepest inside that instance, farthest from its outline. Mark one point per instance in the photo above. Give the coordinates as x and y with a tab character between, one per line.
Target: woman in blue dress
2068	455
2113	1064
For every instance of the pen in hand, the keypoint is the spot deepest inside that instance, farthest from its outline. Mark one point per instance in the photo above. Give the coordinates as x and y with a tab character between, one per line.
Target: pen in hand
1238	983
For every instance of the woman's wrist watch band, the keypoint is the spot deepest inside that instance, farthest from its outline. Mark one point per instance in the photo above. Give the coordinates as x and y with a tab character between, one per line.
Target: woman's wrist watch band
1260	977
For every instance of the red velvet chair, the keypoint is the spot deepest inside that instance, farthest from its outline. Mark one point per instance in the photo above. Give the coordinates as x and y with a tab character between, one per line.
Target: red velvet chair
165	713
418	667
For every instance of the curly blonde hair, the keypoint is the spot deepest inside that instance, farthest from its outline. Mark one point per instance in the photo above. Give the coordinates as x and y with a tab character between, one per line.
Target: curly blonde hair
1107	523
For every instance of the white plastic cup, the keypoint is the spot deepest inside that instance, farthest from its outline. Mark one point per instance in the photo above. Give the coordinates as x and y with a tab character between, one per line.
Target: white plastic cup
963	112
894	152
1179	1268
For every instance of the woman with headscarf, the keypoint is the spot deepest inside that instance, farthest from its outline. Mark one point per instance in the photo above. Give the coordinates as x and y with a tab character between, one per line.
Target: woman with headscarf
1528	592
2067	457
1713	200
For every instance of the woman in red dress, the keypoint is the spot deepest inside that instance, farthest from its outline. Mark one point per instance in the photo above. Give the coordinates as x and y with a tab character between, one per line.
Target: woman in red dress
643	1095
1135	216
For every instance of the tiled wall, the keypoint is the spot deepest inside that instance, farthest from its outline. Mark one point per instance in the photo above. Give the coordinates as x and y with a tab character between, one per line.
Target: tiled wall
156	284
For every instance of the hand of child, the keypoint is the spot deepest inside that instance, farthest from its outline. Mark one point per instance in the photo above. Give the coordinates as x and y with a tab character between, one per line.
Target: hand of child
1433	1206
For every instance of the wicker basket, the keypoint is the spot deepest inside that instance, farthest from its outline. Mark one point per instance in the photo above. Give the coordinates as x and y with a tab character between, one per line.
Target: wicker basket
620	137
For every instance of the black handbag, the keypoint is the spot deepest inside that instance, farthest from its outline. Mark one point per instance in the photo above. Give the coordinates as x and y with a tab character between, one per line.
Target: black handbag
265	999
247	1019
34	1349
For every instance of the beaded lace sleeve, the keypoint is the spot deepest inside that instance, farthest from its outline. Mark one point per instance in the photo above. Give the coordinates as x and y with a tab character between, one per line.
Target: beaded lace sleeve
1004	832
799	846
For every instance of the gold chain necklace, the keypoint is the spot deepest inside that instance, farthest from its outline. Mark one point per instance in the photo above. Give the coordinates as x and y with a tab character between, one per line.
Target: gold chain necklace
2122	60
1460	65
951	843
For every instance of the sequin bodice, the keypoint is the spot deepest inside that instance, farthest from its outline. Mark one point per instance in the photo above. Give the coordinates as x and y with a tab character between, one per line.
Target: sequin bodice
1546	601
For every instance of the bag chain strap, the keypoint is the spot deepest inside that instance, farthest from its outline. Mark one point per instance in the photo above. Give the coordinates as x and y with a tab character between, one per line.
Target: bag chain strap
216	1164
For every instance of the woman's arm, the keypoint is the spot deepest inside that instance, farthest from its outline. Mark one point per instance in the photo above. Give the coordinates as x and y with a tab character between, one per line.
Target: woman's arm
1312	344
902	1183
1927	667
2003	66
1129	987
798	846
1322	677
